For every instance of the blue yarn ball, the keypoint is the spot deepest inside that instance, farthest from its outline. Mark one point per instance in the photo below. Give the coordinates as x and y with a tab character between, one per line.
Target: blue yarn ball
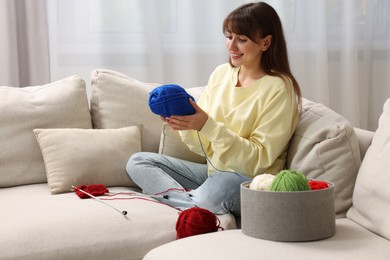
169	100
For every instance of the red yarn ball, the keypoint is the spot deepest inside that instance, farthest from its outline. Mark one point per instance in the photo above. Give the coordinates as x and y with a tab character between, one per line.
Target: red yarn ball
93	189
196	221
318	185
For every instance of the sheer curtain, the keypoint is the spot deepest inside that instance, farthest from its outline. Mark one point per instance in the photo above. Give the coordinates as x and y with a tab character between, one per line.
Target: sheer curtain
24	49
339	49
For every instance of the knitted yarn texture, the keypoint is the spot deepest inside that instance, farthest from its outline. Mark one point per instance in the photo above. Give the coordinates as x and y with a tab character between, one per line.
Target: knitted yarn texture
93	189
170	100
262	182
289	180
196	221
318	185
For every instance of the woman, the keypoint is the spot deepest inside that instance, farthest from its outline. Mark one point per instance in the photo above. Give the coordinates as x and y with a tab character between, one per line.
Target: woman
243	121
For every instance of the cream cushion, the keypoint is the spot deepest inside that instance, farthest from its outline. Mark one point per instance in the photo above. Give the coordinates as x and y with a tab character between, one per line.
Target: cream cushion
60	104
119	101
325	147
87	156
371	197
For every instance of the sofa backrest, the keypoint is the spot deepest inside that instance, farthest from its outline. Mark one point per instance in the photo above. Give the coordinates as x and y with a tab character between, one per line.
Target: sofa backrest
61	104
364	138
325	147
120	101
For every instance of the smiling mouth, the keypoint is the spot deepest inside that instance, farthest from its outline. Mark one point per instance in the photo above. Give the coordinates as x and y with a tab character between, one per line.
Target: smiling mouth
236	56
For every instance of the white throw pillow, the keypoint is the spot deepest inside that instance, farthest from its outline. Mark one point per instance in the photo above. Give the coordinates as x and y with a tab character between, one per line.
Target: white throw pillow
87	156
371	197
119	101
60	104
325	147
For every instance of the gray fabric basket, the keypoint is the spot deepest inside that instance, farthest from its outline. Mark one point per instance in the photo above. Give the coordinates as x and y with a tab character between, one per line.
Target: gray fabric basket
288	216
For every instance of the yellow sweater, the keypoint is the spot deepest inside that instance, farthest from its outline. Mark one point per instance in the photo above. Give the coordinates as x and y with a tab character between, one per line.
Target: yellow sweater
249	127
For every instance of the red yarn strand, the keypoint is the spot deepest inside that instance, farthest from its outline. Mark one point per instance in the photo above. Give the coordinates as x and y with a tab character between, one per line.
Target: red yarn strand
101	190
193	221
171	189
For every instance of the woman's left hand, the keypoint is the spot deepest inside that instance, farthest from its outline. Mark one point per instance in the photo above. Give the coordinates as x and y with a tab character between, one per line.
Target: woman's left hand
195	121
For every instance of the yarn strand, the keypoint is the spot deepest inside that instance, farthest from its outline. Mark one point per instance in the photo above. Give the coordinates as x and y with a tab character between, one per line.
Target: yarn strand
192	221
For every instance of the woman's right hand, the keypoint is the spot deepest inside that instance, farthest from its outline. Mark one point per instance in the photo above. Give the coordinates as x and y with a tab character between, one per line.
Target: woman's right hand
189	122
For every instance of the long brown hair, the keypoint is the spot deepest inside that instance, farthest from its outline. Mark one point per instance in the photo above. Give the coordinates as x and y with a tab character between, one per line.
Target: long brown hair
256	21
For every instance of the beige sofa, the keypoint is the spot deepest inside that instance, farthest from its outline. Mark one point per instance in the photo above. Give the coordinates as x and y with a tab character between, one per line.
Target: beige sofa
51	138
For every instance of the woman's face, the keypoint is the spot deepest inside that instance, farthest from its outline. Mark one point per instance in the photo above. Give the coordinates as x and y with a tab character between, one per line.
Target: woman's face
243	51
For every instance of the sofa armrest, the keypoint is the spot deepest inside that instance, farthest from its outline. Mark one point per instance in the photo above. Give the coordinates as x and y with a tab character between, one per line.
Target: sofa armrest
364	138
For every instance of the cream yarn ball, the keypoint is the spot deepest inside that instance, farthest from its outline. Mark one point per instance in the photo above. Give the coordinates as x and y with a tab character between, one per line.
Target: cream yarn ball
262	182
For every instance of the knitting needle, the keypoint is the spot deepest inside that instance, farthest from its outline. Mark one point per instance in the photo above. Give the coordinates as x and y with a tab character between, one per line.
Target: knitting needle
124	212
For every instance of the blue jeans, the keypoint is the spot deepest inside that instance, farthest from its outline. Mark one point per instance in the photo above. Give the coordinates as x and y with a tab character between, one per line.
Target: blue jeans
183	184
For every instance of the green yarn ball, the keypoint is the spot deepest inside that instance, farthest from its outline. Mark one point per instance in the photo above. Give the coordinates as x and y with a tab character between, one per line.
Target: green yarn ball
289	180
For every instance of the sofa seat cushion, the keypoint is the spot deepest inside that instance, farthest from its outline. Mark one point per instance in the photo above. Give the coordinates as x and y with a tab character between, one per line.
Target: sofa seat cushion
351	241
37	225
